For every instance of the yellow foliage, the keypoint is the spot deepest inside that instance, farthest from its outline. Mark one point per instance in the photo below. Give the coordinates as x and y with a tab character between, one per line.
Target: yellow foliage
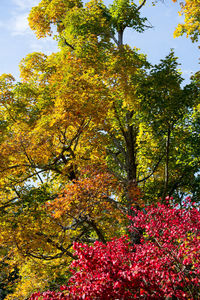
190	9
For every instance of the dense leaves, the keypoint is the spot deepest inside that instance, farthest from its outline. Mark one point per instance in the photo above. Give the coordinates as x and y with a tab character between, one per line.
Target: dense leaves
89	132
166	264
191	25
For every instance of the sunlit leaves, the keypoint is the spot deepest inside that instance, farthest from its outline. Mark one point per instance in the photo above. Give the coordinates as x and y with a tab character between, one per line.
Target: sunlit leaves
191	26
48	12
124	14
89	200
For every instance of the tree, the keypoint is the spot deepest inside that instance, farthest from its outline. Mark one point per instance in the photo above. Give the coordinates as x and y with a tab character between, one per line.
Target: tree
191	25
88	133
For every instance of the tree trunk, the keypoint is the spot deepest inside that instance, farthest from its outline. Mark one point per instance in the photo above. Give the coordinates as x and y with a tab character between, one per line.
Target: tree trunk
120	37
166	173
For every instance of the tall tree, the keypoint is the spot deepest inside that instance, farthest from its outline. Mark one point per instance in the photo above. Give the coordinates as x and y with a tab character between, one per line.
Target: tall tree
89	132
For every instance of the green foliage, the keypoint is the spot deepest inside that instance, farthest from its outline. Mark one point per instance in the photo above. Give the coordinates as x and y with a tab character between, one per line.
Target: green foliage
125	13
89	132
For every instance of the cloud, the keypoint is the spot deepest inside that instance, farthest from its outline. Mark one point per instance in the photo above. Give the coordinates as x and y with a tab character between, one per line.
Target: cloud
2	24
17	25
46	46
25	4
20	25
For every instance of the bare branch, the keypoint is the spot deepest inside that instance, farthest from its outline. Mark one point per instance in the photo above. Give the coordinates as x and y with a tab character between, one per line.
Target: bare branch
69	45
141	5
114	38
153	171
117	204
8	203
97	230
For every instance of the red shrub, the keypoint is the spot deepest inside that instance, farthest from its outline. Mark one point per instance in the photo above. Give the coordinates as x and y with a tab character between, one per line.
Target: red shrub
165	264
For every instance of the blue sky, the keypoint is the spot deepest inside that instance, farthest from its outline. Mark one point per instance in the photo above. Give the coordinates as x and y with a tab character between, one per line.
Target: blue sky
17	40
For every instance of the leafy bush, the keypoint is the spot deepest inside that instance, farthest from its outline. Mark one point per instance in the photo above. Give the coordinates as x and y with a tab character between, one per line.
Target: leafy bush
165	265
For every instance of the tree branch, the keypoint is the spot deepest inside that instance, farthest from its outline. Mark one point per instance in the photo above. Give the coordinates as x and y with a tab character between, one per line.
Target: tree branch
97	230
69	45
120	124
154	169
141	5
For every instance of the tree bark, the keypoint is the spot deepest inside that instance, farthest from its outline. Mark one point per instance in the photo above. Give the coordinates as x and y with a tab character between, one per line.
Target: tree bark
166	173
120	37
